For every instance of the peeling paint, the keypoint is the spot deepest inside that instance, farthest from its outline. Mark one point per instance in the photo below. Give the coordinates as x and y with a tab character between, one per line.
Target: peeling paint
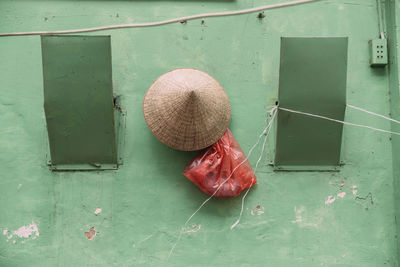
330	200
5	231
27	231
195	228
97	211
91	234
147	195
341	195
299	211
354	190
257	210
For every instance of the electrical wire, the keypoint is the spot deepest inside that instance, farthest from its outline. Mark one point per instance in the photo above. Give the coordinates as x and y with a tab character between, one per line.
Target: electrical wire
255	169
338	121
164	22
218	188
380	22
373	113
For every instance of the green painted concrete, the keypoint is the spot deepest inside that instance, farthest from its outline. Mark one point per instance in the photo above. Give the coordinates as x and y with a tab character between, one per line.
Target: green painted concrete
393	32
145	203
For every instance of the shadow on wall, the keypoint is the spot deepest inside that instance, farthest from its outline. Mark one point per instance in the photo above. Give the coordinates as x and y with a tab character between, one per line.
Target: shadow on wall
160	154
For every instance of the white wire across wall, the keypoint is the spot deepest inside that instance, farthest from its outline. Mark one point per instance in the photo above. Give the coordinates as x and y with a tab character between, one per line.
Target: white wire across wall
265	132
164	22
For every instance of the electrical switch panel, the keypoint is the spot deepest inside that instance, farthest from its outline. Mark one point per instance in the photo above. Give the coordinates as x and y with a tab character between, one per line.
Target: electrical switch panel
378	53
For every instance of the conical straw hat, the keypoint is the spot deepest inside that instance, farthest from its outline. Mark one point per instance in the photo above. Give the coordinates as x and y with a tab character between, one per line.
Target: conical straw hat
187	109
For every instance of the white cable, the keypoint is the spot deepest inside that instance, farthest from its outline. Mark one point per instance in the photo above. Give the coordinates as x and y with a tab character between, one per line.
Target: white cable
373	113
266	130
343	122
255	169
350	106
219	187
164	22
382	35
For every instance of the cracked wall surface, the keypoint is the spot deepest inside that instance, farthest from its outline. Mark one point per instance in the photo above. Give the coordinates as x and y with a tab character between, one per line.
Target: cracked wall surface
133	216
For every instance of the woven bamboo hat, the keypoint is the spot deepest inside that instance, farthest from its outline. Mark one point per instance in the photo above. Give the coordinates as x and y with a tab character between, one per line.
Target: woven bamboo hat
187	109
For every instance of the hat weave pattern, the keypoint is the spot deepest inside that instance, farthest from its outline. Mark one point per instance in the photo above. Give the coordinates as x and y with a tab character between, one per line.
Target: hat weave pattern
187	109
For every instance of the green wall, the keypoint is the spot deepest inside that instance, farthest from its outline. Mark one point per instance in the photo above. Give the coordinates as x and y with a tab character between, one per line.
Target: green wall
146	202
392	22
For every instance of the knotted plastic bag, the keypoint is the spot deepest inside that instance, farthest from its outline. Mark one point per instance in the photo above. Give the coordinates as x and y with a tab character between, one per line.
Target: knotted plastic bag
214	165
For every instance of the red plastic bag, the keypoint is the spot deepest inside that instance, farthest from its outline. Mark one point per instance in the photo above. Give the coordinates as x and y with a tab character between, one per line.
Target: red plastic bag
213	166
